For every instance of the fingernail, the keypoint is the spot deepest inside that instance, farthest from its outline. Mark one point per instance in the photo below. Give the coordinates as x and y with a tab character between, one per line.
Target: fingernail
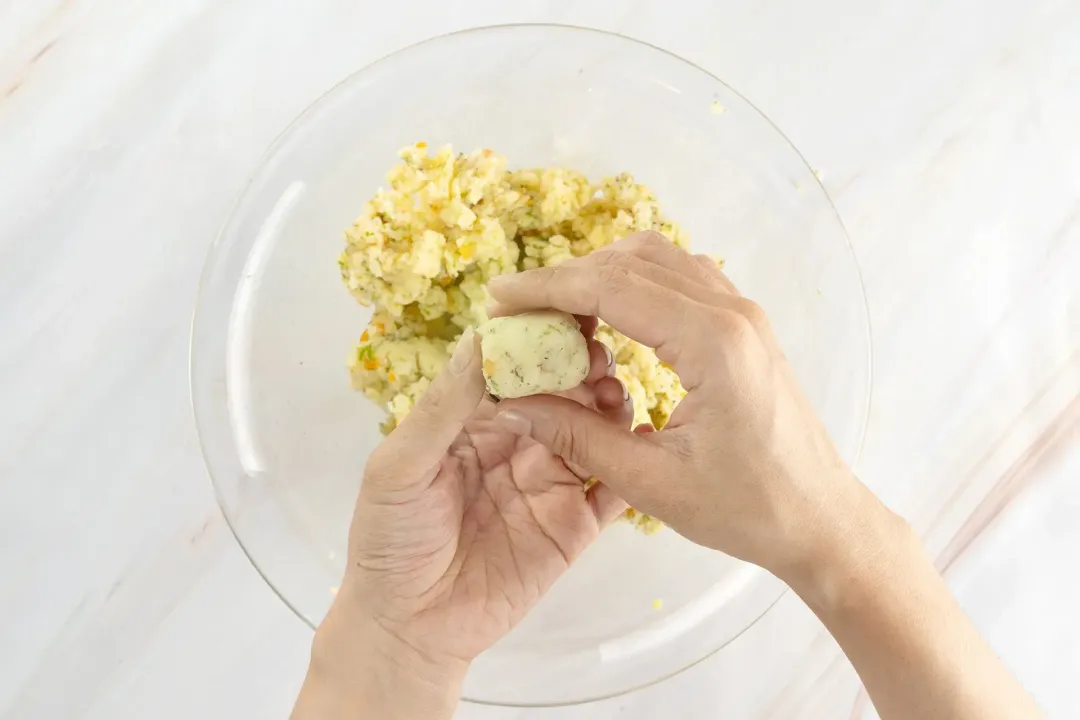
463	353
515	422
610	356
625	392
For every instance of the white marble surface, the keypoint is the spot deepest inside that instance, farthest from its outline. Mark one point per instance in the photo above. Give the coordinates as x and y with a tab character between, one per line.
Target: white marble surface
946	131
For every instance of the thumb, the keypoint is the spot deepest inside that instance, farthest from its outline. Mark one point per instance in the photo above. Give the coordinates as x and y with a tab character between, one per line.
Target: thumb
423	437
617	456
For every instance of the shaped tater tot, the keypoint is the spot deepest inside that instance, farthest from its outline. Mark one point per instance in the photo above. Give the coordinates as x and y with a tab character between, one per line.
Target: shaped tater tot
533	353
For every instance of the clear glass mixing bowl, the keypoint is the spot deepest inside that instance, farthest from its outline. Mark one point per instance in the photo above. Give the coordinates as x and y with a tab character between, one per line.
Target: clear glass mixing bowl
285	438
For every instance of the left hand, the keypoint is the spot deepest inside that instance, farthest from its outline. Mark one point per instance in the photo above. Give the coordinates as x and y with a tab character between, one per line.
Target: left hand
462	525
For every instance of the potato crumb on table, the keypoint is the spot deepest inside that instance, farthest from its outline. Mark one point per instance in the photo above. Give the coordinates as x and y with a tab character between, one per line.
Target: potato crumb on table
423	249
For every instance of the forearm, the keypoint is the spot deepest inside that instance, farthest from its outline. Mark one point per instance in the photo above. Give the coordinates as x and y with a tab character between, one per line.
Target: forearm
915	650
358	672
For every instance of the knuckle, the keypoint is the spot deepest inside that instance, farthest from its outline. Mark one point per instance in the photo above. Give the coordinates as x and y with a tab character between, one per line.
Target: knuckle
547	274
733	328
378	462
672	353
604	256
613	275
650	238
566	442
596	258
709	271
707	263
753	312
684	448
433	397
720	320
742	329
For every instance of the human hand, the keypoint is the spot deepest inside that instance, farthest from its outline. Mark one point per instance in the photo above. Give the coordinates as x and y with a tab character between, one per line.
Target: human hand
461	526
744	465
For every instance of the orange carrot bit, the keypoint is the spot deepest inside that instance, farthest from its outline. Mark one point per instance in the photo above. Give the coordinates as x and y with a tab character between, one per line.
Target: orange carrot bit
371	364
467	251
380	328
421	145
489	367
364	337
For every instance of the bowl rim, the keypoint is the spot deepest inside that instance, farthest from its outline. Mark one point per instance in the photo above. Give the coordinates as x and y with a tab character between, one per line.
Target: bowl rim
216	245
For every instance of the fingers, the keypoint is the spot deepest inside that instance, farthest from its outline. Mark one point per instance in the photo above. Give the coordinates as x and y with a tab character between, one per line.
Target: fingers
606	504
609	270
587	324
652	314
689	278
613	401
713	270
618	457
601	365
645	287
657	249
601	362
414	448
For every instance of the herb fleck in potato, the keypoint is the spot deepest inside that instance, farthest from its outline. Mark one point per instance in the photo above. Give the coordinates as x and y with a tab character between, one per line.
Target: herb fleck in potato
534	353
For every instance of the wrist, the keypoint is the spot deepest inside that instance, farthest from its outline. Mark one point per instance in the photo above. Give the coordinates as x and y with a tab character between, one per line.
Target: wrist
851	553
359	669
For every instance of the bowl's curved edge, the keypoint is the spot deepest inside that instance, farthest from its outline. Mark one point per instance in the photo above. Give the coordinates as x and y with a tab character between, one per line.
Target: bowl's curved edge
279	140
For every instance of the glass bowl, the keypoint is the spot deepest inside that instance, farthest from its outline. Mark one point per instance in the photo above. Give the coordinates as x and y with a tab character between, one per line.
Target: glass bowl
285	438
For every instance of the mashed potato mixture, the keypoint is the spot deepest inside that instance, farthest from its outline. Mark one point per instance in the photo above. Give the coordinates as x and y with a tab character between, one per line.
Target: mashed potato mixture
423	249
533	353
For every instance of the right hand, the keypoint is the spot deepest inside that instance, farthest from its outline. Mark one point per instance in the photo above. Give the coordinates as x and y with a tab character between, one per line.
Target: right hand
744	465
